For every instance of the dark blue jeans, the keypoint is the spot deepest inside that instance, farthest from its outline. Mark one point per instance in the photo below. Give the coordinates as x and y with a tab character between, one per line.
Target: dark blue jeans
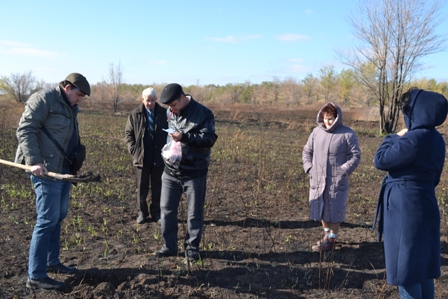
423	290
172	189
52	207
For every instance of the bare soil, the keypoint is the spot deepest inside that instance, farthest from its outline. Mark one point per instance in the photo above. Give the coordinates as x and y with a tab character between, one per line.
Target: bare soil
257	234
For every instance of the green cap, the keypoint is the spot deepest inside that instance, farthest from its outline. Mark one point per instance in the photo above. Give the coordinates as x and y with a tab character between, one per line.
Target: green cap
80	82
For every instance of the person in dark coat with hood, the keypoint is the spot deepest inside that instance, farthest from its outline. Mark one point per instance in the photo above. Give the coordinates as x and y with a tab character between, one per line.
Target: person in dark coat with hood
407	207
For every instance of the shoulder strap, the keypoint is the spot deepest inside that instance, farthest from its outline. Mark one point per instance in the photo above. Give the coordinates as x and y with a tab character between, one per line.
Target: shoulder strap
45	130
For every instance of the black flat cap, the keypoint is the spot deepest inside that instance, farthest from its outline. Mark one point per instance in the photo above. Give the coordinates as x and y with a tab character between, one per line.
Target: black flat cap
171	92
80	82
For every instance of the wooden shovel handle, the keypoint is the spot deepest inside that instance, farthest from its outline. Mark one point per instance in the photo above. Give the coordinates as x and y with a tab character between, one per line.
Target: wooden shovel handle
54	175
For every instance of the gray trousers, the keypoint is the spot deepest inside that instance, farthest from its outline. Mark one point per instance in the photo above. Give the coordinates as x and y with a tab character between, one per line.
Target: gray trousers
172	189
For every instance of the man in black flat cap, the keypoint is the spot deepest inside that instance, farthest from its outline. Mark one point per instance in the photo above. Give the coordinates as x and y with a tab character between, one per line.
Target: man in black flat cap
194	126
56	110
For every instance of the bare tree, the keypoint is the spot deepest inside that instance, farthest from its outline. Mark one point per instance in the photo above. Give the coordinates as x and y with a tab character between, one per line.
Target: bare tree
328	81
41	84
347	81
290	91
114	82
232	92
309	87
263	93
393	36
18	86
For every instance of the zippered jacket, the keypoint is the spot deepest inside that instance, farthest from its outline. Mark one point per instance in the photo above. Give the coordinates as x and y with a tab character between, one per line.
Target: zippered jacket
47	108
197	124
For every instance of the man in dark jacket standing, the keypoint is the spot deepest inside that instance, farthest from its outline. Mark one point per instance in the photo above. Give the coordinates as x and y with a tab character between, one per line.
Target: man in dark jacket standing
56	110
145	138
194	127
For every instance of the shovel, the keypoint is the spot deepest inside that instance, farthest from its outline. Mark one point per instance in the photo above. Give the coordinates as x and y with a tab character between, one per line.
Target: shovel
83	178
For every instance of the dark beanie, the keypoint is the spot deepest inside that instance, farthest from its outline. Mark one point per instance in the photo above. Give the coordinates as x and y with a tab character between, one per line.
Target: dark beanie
171	92
80	82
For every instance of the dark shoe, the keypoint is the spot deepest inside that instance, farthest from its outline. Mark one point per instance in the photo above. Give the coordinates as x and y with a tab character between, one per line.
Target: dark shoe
163	253
191	260
155	217
141	219
192	256
44	283
60	268
325	245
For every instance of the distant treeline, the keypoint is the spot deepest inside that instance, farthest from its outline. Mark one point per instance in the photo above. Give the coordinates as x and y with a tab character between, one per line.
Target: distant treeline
328	87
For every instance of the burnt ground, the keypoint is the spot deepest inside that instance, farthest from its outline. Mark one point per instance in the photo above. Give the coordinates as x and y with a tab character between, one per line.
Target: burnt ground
257	233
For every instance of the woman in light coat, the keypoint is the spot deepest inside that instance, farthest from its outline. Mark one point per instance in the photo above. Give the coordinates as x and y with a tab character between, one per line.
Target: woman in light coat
408	209
330	155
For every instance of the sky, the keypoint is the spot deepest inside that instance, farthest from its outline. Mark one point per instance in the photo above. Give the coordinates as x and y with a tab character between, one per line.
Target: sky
188	42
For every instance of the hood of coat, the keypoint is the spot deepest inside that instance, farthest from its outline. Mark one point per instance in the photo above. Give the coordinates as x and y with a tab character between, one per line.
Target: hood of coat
337	121
425	109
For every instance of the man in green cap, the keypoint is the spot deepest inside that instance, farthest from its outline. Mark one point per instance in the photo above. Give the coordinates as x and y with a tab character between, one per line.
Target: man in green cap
50	112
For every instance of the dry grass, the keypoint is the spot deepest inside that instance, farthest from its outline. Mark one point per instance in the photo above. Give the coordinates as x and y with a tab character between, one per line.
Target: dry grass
9	113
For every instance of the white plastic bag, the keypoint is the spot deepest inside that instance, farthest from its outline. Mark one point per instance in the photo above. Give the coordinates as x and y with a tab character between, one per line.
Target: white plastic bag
172	153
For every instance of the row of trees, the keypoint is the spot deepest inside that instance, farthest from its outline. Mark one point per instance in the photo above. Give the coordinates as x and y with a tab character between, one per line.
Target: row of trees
327	86
392	36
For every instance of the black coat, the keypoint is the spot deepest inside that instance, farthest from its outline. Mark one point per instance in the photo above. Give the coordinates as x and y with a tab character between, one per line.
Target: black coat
135	135
197	124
